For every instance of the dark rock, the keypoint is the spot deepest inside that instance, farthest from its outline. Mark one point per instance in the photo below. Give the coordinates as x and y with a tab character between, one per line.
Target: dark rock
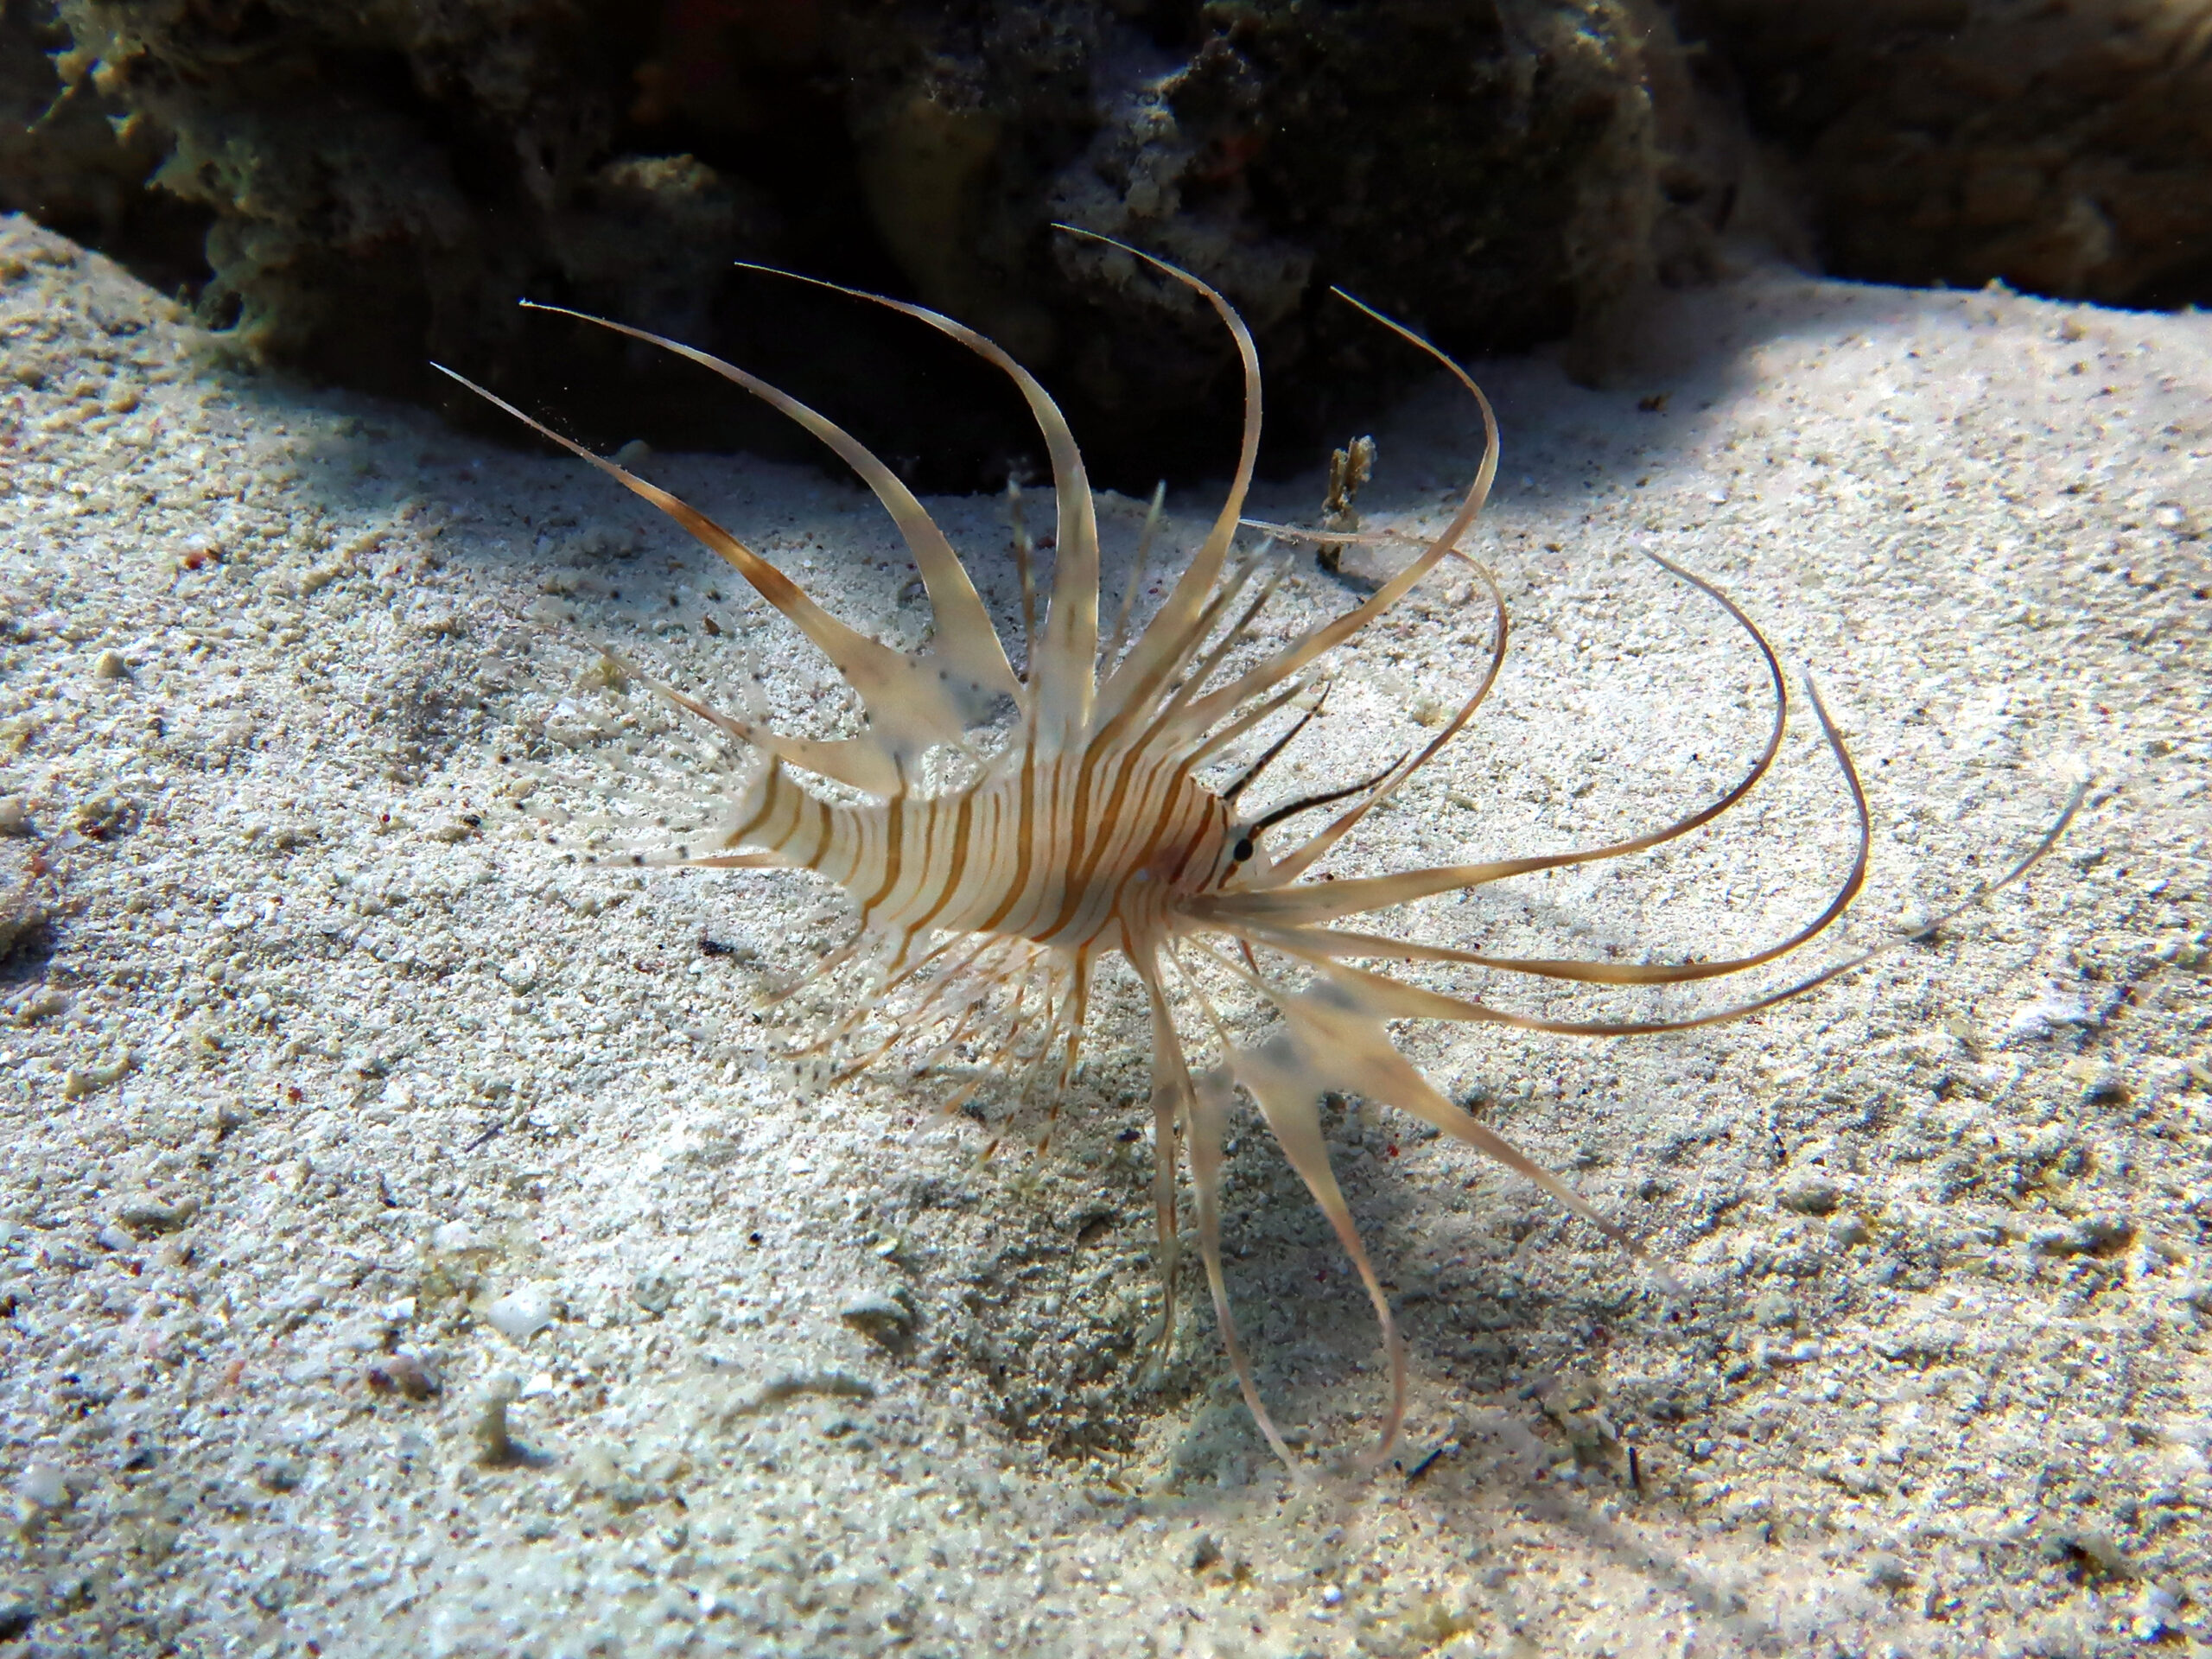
379	184
2066	149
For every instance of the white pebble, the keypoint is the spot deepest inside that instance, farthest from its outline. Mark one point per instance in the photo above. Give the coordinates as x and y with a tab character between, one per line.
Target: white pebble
43	1485
2045	1014
521	1314
455	1238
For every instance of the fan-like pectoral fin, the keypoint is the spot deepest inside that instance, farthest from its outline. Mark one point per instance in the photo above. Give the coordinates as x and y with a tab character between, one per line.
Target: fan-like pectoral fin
1326	901
1336	1039
1065	674
1283	1074
1212	1092
1277	904
912	702
1171	1108
966	642
1318	943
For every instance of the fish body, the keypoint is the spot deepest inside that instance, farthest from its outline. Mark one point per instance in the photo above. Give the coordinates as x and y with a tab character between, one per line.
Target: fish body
1084	851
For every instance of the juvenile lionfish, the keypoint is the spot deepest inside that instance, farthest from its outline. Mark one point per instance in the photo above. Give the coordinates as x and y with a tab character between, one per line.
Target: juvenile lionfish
992	883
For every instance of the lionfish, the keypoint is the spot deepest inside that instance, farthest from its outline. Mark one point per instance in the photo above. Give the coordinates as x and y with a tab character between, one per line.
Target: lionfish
993	880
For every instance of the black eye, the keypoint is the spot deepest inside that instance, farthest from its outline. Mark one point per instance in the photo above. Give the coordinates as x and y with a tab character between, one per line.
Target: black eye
1241	851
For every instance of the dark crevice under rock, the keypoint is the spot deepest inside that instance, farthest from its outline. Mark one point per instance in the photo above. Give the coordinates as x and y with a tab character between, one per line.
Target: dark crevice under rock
350	188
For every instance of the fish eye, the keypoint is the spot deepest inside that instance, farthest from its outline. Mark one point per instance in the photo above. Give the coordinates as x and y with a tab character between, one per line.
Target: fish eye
1241	851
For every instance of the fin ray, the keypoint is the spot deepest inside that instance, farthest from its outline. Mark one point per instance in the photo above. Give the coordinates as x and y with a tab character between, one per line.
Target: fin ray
1168	641
966	641
909	706
1063	679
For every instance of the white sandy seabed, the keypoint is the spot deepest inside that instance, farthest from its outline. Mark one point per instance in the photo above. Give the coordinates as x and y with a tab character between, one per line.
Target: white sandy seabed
337	1106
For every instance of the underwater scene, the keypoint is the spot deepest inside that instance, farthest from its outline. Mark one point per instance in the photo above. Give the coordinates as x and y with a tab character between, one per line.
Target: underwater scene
1247	829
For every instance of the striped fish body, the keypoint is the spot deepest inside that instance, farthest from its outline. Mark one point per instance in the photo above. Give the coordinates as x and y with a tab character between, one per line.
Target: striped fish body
1085	850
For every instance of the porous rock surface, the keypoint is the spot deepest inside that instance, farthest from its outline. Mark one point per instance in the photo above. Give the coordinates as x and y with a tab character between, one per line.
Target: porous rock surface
405	1249
355	189
2063	148
380	182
